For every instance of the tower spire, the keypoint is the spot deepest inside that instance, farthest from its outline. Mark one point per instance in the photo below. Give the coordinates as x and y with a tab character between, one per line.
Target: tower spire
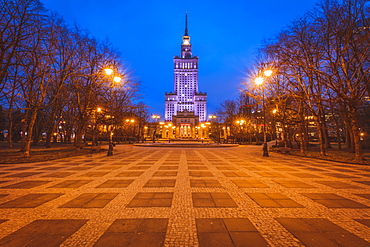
186	25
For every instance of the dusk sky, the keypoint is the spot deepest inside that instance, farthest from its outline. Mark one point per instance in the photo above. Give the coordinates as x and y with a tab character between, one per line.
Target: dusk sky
224	34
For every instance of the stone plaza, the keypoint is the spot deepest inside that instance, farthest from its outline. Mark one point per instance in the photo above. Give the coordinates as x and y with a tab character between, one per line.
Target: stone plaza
149	196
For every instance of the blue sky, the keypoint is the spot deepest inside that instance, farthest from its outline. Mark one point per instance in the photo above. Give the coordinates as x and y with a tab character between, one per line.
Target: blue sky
224	34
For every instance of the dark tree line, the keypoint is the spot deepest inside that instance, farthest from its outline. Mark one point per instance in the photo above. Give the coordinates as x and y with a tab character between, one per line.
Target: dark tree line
321	72
53	74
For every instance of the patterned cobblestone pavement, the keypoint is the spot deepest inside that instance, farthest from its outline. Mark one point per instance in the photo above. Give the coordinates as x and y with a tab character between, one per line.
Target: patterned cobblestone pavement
223	197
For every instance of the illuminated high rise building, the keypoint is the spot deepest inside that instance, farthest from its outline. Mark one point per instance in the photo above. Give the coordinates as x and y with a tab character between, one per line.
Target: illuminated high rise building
186	99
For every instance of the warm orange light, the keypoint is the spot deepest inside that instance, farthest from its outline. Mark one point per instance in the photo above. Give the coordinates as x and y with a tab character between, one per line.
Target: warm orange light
108	71
274	111
117	79
98	109
258	81
268	72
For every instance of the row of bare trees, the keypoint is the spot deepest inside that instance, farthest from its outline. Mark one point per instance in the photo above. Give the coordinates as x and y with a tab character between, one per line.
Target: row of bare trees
321	66
320	79
52	73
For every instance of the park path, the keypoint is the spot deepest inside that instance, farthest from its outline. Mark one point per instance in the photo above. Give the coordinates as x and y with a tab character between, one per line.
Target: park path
223	197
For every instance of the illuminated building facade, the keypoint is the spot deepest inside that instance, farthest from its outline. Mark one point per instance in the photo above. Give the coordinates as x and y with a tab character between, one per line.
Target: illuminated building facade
185	100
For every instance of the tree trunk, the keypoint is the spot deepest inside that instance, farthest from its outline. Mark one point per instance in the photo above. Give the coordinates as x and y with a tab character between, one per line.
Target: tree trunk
356	136
48	138
78	138
10	129
321	139
326	134
28	139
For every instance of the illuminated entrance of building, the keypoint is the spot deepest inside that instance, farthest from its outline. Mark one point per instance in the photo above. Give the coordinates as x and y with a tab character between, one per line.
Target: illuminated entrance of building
185	131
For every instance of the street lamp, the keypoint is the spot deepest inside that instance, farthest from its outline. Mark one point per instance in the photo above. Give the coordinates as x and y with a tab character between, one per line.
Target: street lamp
215	122
115	79
259	82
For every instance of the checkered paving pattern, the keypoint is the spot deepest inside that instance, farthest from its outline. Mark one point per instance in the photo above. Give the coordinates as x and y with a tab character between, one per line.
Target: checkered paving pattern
146	196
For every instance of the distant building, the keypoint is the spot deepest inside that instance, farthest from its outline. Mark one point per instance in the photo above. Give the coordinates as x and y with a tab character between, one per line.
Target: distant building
186	98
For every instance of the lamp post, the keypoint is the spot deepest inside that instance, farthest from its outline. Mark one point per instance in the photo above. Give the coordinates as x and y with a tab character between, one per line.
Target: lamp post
213	120
275	129
259	81
240	123
116	79
155	117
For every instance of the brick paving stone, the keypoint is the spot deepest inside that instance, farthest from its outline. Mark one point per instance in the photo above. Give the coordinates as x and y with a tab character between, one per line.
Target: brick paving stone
363	182
58	175
273	200
365	222
293	184
94	174
182	187
205	183
160	183
200	174
3	195
80	168
115	183
228	232
226	168
152	199
30	200
112	167
25	184
90	200
331	200
71	184
168	168
130	174
249	183
304	175
20	168
165	174
43	233
135	232
198	168
338	185
139	168
339	175
270	174
367	196
212	199
50	168
22	174
235	174
320	232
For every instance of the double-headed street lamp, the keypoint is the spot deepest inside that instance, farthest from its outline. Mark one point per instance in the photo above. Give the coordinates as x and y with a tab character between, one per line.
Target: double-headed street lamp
115	80
240	123
259	82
